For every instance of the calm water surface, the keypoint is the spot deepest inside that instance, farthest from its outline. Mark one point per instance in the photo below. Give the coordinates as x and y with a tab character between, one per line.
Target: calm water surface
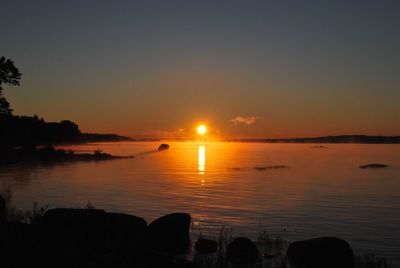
322	192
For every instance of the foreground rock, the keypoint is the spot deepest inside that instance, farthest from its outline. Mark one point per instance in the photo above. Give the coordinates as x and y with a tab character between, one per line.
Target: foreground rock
321	252
3	210
374	166
93	235
242	251
170	234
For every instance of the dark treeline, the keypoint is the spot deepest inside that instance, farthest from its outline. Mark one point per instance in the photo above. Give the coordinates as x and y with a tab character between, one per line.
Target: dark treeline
20	136
30	138
28	131
333	139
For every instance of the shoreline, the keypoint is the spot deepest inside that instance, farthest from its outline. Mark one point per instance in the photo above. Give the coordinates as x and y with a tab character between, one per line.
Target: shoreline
159	243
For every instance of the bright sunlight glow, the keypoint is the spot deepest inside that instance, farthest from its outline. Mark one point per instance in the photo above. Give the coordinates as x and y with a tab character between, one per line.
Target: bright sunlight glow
202	129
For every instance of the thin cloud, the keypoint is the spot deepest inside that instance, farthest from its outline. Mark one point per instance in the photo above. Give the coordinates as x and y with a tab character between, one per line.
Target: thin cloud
247	120
158	133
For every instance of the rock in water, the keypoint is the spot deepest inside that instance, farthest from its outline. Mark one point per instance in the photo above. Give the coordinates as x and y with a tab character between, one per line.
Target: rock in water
170	233
321	252
206	246
242	251
163	147
374	166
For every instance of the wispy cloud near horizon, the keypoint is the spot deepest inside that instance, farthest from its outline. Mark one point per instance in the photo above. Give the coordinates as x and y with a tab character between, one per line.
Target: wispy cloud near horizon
247	120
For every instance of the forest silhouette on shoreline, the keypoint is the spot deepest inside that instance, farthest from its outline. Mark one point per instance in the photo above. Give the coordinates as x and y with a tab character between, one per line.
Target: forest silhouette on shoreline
20	136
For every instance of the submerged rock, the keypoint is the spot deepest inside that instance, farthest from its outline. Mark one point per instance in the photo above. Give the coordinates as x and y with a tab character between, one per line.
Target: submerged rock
234	168
242	251
321	252
270	167
163	147
170	233
373	166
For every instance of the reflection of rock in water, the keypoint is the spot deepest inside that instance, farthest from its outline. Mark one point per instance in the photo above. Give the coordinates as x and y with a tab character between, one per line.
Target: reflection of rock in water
163	147
270	167
373	166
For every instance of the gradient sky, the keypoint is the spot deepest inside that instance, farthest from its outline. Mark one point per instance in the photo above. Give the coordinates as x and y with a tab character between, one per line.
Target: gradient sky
286	68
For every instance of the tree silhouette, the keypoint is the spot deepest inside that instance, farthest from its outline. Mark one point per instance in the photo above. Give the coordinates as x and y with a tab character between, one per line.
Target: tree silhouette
9	74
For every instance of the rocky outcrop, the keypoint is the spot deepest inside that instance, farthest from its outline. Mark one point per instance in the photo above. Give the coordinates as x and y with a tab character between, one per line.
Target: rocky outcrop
96	238
321	252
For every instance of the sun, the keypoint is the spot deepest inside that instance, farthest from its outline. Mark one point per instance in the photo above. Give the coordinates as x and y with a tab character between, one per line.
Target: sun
201	129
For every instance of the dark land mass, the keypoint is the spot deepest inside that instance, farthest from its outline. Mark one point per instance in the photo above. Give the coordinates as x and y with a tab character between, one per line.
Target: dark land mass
28	130
22	136
50	154
331	139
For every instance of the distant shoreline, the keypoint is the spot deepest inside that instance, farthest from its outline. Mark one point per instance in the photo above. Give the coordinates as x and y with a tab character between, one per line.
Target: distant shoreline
341	139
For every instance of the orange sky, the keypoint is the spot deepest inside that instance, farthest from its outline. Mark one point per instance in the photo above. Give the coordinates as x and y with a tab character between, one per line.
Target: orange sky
249	70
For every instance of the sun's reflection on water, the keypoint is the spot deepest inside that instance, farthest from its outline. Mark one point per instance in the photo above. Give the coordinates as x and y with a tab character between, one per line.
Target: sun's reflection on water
202	159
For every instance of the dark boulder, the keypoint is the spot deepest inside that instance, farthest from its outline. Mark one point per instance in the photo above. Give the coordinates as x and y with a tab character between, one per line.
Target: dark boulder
90	235
242	251
3	210
70	221
170	233
321	252
206	246
163	147
124	233
69	233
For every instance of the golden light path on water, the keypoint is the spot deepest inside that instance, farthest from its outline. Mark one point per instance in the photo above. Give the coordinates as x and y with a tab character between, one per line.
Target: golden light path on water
202	159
